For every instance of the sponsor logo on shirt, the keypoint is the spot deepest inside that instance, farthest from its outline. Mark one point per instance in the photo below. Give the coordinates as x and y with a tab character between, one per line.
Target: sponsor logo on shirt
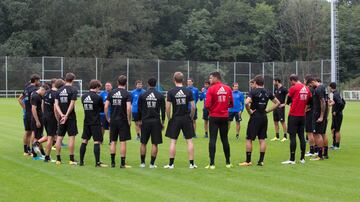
221	91
88	99
151	96
63	93
180	94
117	95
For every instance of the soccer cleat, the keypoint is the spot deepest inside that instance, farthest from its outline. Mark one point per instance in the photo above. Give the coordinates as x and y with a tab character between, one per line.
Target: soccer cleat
308	154
229	165
336	148
245	164
260	163
37	158
192	166
169	166
152	166
125	166
26	154
81	163
302	161
142	165
274	139
237	136
211	167
284	139
73	163
316	159
101	165
288	162
58	162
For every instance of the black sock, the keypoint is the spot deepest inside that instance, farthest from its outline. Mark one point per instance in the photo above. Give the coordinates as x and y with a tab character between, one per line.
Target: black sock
302	155
112	158
82	151
25	148
142	158
28	149
122	161
292	156
42	151
33	152
277	135
58	158
191	162
138	134
320	152
312	149
285	135
152	161
171	161
338	144
206	133
316	149
326	150
262	155
248	157
47	158
97	153
72	157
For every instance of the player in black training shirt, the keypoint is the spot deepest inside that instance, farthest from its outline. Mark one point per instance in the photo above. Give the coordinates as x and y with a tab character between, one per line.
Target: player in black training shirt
150	104
65	107
50	117
182	118
308	120
338	104
280	93
37	121
256	104
119	100
320	112
93	105
25	98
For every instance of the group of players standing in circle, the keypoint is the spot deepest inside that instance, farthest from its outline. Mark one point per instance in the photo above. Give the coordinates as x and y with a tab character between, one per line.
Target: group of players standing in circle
52	106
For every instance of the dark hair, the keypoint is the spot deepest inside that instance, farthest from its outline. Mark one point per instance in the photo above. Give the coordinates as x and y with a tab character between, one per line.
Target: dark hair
191	79
34	78
152	82
94	84
277	80
122	80
69	77
216	75
318	79
259	80
178	77
59	83
294	77
207	82
332	85
308	76
309	80
138	81
45	86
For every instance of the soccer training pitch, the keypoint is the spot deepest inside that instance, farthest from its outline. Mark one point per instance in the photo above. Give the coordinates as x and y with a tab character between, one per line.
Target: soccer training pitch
336	179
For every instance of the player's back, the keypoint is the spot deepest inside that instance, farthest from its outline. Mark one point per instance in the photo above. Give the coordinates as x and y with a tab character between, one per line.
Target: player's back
118	99
64	96
260	98
151	102
92	104
180	97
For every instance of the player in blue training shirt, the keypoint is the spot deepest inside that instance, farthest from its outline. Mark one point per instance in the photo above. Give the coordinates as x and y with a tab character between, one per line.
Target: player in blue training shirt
135	94
195	92
238	108
202	97
104	94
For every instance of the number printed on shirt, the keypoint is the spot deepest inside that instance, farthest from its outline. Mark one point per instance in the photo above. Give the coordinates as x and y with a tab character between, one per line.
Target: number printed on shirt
151	104
117	102
221	98
180	101
88	106
63	99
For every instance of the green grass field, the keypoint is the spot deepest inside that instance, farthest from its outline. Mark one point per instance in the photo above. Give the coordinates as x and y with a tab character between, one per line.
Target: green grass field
336	179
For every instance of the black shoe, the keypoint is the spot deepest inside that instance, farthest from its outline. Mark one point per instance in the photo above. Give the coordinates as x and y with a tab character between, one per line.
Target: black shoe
113	165
81	163
260	163
237	136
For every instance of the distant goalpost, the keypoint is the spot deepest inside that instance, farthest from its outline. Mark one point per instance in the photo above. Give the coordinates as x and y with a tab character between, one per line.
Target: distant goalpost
78	84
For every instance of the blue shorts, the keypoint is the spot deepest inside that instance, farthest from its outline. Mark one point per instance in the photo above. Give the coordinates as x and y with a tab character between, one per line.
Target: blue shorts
104	122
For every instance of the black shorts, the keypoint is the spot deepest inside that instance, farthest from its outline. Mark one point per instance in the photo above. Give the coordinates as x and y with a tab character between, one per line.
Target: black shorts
93	131
27	123
296	124
257	127
135	116
120	130
235	115
104	122
309	122
205	114
279	114
183	123
51	126
319	128
336	122
38	132
151	128
69	127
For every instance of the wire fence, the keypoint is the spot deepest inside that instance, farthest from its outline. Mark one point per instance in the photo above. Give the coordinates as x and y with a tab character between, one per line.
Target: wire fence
15	71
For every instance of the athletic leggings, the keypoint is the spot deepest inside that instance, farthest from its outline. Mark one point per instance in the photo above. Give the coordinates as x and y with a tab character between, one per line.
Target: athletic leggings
218	124
296	125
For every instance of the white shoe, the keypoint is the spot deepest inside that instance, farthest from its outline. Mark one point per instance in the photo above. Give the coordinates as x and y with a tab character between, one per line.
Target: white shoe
192	166
308	154
169	166
302	161
288	162
142	165
284	139
152	166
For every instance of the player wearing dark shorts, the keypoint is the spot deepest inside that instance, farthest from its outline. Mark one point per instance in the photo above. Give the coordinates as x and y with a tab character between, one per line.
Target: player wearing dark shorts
205	117
256	104
338	105
219	99
237	109
280	93
24	101
93	105
195	92
180	98
151	103
300	96
320	112
37	121
65	107
103	94
119	100
50	119
135	94
309	121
